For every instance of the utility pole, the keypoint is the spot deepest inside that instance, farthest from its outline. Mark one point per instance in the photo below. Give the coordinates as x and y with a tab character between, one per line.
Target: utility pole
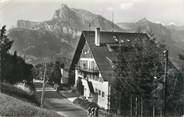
142	107
43	85
0	70
89	26
0	63
165	52
109	100
136	107
112	20
153	110
131	106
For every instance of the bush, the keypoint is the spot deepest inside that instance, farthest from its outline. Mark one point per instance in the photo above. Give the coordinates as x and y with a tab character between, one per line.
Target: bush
19	93
84	103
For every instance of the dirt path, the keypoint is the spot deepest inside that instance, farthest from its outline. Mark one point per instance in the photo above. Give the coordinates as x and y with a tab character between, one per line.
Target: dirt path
59	104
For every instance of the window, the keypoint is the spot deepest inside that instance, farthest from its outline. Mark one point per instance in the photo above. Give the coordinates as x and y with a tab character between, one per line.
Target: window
103	94
99	92
96	90
85	64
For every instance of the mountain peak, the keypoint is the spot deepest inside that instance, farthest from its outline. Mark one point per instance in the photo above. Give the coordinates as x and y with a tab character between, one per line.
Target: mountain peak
62	12
64	6
144	20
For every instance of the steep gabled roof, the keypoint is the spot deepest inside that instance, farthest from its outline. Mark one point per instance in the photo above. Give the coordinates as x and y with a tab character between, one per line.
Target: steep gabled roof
102	54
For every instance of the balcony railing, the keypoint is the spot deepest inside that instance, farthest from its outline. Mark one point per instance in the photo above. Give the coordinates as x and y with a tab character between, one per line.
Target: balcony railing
87	70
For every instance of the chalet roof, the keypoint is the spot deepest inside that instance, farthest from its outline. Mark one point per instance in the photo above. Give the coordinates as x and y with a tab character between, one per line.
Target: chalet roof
103	54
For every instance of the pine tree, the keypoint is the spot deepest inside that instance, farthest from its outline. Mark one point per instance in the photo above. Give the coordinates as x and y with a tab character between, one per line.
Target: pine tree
13	68
5	45
137	64
56	73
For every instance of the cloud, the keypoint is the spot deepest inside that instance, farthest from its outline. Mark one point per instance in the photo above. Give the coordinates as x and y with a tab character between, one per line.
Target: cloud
1	19
110	8
2	1
124	10
126	5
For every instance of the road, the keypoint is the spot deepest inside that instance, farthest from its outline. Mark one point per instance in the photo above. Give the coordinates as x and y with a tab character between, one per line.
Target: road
56	102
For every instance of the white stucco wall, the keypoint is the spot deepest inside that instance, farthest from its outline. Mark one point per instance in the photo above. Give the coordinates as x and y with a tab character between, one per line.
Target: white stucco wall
103	87
99	85
86	89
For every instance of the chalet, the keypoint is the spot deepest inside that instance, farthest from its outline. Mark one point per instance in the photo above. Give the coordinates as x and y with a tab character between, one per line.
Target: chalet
93	62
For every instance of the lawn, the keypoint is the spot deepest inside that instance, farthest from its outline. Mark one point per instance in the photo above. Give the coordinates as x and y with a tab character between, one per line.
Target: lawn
10	106
18	93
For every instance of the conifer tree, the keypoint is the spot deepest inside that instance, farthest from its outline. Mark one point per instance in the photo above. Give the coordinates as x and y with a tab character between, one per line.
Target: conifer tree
5	45
138	62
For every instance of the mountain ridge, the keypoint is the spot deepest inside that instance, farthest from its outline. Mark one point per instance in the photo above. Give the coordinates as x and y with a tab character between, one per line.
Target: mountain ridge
61	33
171	37
64	28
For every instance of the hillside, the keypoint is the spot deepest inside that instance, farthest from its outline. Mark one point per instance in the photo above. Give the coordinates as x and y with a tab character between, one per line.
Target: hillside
37	44
171	37
10	106
57	37
177	34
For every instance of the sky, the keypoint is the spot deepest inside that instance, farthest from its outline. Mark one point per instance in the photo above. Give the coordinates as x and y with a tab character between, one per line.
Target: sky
159	11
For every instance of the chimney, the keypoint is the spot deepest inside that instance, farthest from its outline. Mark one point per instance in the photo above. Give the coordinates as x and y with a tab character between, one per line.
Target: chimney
97	37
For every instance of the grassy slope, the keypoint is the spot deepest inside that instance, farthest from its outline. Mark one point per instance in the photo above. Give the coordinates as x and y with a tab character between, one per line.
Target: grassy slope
10	106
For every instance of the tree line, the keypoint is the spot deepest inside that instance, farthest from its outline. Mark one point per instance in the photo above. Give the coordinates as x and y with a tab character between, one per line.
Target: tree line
53	72
13	68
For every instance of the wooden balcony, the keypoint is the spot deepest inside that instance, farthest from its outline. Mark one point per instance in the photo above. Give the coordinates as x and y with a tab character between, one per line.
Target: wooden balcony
87	70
